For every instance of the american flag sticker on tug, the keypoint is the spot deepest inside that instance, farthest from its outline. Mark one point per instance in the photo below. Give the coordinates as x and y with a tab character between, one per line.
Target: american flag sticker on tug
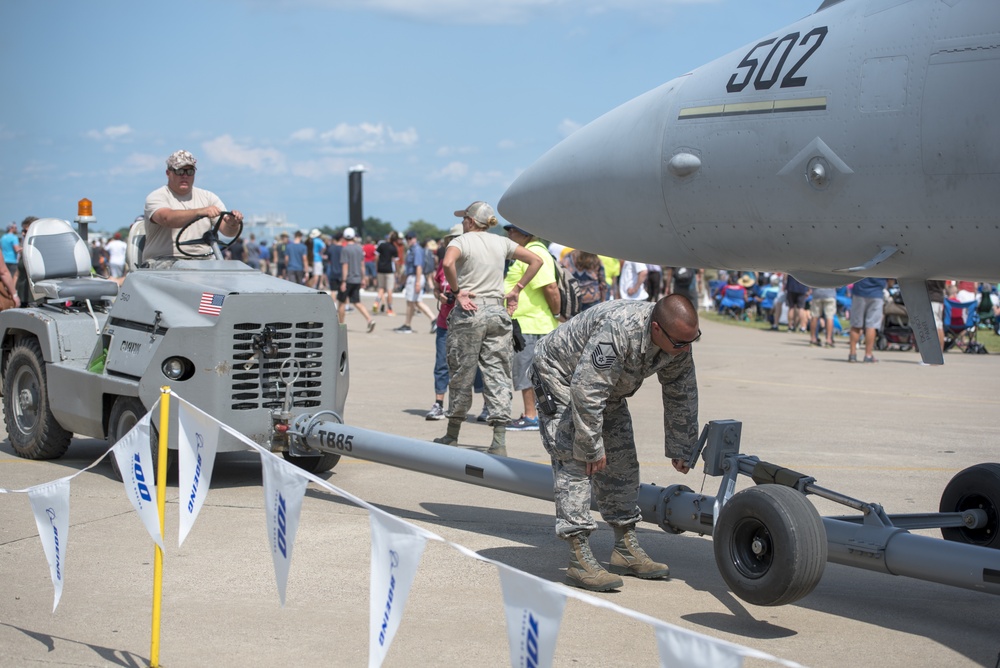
211	304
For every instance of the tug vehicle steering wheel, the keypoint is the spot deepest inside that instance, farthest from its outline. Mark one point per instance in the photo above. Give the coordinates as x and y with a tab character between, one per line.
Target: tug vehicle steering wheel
210	238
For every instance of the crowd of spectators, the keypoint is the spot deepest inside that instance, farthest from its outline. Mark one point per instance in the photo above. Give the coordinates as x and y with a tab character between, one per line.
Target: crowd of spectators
409	265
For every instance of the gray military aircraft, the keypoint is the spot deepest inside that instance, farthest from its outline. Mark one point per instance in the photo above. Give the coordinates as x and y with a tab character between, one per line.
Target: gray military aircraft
856	142
860	141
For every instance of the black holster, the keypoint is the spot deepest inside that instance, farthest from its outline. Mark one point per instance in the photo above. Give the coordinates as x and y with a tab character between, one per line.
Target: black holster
544	399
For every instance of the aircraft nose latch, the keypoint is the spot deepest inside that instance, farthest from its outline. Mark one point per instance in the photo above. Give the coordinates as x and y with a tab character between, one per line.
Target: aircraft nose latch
818	173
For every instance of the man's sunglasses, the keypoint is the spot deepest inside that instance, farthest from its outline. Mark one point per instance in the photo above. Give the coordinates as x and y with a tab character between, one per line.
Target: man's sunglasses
184	171
679	344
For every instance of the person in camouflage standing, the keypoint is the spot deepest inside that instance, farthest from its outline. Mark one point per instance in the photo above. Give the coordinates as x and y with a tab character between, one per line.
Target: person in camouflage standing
584	372
479	327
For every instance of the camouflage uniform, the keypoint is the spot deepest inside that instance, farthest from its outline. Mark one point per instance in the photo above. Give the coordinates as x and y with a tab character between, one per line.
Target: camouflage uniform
480	338
590	366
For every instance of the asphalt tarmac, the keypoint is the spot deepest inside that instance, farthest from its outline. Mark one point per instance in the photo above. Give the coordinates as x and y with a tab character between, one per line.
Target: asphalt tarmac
893	433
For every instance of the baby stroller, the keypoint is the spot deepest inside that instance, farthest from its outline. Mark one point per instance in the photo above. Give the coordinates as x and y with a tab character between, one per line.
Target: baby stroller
895	329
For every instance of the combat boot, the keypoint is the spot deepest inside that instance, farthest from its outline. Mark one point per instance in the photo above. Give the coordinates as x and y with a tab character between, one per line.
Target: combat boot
451	437
629	559
499	445
584	571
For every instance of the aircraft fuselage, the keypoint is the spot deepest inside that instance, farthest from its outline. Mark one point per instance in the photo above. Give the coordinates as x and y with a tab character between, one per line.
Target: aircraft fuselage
859	141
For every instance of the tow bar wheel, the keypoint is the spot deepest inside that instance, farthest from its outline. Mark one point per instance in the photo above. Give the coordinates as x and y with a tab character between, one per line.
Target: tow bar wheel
977	487
770	545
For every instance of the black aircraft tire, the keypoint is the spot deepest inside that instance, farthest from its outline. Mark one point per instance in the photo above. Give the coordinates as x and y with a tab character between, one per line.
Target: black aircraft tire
125	412
31	426
770	545
318	464
976	487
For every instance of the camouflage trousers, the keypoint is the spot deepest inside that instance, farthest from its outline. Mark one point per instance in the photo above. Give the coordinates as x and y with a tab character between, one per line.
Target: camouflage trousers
616	488
482	339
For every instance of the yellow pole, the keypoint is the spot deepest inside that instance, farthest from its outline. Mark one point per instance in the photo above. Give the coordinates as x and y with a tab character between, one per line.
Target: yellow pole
161	504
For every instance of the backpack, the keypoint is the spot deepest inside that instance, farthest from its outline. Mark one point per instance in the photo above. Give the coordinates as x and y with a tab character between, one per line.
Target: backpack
429	265
569	293
589	286
683	276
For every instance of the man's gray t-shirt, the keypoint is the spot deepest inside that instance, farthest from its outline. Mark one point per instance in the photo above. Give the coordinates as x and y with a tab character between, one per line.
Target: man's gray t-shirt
159	239
354	257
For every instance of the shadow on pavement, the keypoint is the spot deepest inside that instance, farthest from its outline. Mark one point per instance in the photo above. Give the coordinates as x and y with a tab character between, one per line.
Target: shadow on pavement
112	657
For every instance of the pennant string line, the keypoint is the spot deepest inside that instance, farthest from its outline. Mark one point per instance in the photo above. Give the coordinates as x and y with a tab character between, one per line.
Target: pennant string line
69	477
568	592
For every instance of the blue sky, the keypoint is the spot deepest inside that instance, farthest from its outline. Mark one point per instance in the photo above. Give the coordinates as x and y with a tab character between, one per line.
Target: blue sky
442	101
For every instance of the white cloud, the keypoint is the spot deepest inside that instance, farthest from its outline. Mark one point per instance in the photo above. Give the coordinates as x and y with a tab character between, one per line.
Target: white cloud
407	137
496	11
366	138
139	163
228	151
35	168
451	11
305	134
453	171
506	144
448	151
490	178
567	127
461	172
322	168
110	133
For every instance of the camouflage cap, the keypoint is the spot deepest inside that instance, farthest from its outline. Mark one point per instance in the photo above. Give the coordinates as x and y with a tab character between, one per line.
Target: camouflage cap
180	159
511	226
480	212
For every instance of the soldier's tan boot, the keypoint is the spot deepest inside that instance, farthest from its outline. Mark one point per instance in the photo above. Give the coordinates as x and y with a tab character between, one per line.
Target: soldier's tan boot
451	437
629	559
584	571
499	445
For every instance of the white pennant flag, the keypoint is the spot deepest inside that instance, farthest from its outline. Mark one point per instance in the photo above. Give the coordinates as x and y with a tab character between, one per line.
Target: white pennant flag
283	492
50	503
197	440
534	613
396	551
689	650
135	462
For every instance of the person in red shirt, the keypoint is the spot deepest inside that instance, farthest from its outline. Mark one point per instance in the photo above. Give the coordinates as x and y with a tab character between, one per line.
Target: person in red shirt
369	278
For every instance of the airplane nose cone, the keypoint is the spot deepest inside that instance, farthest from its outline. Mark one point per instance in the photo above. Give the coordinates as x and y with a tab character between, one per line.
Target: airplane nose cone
601	188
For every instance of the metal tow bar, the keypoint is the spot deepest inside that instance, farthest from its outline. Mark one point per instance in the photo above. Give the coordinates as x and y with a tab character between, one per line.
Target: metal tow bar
770	543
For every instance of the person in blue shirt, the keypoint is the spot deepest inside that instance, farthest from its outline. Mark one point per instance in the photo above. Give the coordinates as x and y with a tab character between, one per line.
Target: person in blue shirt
414	290
796	293
867	301
318	278
10	245
296	260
